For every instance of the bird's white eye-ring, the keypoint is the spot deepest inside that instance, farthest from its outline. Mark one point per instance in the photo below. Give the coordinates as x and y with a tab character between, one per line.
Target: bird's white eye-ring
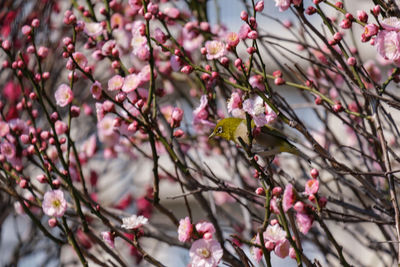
219	130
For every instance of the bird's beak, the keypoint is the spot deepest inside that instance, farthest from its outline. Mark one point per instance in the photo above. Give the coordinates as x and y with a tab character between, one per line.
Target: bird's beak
211	135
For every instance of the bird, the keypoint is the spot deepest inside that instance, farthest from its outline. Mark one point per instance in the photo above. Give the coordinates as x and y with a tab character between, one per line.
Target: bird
267	142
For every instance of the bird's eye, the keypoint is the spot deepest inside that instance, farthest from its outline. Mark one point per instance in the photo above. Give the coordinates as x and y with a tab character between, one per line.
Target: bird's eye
219	130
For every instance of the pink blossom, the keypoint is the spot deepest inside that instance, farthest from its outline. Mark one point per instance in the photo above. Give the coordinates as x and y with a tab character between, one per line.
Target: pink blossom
176	117
107	47
275	233
54	203
4	128
391	24
172	12
138	41
282	4
201	113
117	21
191	40
26	30
131	82
205	227
89	146
256	252
108	238
259	7
134	222
257	81
142	53
215	49
115	83
8	150
274	206
205	253
257	110
282	249
304	222
288	197
370	30
63	95
61	127
185	229
106	130
96	90
232	39
270	115
312	187
235	104
93	29
244	31
80	59
388	43
160	36
43	51
145	74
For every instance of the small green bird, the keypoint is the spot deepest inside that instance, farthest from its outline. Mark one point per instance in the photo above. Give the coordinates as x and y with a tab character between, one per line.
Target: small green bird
268	142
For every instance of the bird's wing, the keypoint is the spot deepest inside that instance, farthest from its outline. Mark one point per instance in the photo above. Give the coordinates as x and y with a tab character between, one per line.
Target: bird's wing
267	129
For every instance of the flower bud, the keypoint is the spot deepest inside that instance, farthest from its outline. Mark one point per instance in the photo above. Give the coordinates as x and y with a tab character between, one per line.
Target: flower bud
260	191
244	16
259	7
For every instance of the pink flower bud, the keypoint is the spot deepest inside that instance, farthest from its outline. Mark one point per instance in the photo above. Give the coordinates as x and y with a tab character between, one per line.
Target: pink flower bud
41	178
345	24
277	191
318	100
351	61
6	44
35	23
314	173
224	61
52	222
362	16
75	111
376	10
279	81
338	107
260	191
251	50
43	52
349	16
310	10
23	183
60	127
259	7
339	4
299	206
244	16
26	30
337	36
179	133
322	202
238	63
176	117
24	138
252	35
187	69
